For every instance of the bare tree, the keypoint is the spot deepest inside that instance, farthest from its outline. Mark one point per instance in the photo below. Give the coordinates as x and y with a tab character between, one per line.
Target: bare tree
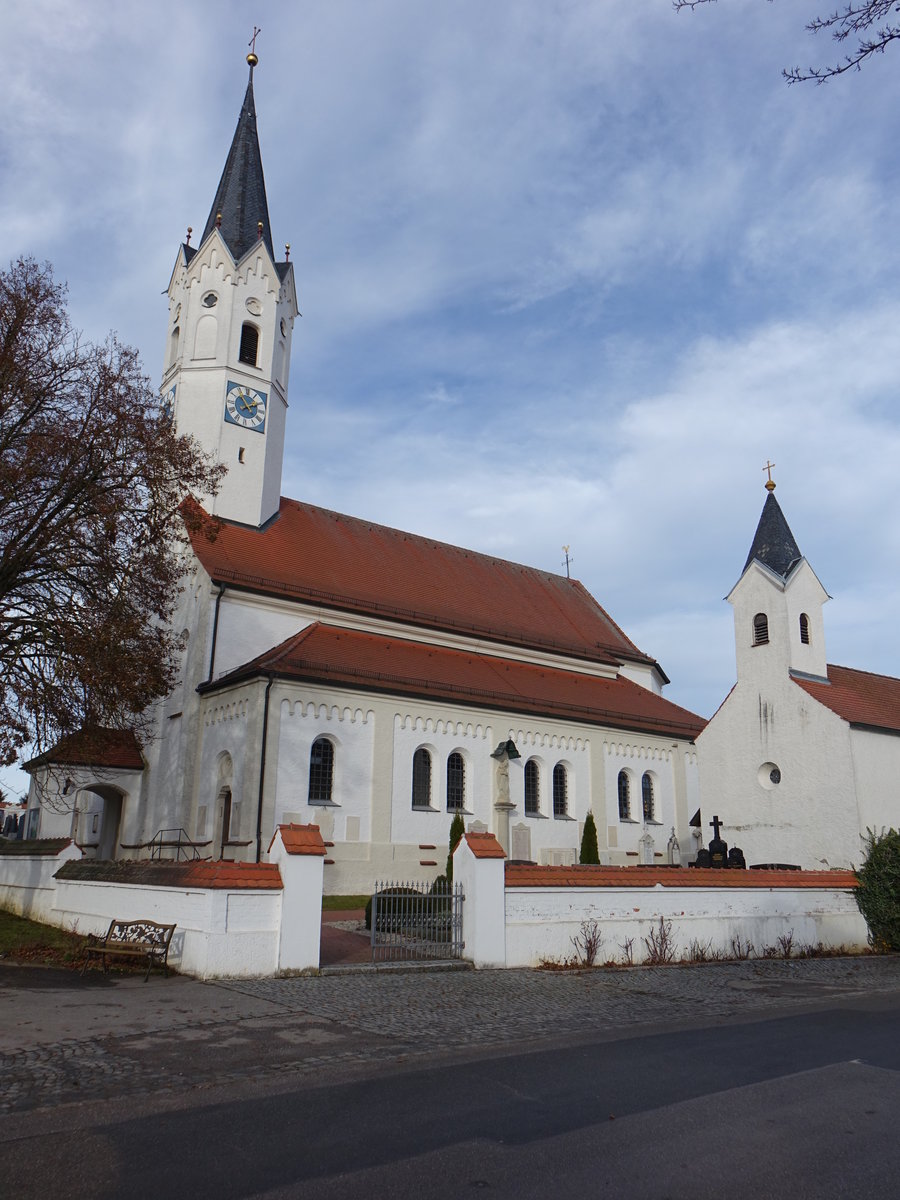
866	25
92	521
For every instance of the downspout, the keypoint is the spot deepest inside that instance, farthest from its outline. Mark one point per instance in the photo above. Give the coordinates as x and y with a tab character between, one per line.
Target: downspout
262	769
215	633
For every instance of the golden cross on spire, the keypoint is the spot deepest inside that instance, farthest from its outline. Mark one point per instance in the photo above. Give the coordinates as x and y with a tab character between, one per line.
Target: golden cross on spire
252	58
770	483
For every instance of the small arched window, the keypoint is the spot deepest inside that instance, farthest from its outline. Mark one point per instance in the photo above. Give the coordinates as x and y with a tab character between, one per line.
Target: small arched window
421	779
249	344
560	791
532	788
647	798
321	771
624	797
456	782
760	629
173	344
804	629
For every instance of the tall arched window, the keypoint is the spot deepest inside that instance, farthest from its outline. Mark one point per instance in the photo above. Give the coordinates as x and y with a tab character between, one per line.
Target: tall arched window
321	771
760	629
173	344
456	782
624	797
249	344
560	791
532	788
421	779
804	629
647	799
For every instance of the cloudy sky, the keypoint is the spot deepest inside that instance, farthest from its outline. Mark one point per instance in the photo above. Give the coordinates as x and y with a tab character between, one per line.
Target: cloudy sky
570	272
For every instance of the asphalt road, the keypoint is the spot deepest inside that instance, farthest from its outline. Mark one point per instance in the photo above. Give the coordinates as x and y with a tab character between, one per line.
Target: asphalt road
803	1105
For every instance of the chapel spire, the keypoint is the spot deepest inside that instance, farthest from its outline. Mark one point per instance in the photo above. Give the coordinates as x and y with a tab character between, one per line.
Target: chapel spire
240	209
773	544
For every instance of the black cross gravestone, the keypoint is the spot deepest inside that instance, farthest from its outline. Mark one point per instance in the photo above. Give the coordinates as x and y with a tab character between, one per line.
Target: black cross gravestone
718	849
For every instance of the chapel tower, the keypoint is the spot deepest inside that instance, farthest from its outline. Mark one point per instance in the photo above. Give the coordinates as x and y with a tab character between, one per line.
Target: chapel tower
232	308
778	600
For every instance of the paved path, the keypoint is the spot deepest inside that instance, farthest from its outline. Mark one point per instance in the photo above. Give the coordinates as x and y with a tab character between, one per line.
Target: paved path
63	1038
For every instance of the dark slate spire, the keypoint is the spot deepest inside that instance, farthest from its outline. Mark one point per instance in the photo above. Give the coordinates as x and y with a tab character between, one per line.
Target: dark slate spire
774	544
241	194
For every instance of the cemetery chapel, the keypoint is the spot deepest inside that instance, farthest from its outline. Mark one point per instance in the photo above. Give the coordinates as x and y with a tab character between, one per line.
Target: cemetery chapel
352	676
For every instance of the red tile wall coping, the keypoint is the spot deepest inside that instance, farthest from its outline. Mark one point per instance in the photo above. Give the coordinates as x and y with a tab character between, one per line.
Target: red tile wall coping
37	847
231	875
301	839
645	877
485	845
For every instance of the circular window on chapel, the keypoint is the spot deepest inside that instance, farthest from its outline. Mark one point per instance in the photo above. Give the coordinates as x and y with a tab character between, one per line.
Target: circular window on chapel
769	776
210	300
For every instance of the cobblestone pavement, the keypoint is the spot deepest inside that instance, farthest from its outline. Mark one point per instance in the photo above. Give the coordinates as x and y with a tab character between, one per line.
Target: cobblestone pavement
313	1026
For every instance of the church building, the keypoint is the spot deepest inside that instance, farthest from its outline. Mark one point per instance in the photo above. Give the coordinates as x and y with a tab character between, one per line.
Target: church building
803	756
366	680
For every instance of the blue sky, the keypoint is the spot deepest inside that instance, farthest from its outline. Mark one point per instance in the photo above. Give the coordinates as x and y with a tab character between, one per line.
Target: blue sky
570	273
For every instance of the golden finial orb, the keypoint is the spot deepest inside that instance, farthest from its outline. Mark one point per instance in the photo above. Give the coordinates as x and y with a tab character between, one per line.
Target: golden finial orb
252	59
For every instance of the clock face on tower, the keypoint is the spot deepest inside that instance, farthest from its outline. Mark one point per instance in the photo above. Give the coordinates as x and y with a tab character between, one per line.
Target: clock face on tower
245	406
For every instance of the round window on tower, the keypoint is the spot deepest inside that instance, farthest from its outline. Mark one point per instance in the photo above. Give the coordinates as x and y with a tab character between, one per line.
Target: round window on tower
254	306
210	300
769	776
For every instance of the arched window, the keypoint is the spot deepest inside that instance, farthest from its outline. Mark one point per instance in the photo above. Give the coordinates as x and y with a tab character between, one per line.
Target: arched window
760	629
321	771
624	797
173	345
532	788
560	791
249	344
647	800
456	782
804	629
421	779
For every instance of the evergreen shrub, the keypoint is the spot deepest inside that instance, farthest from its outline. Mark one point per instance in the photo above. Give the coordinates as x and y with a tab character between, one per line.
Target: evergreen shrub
878	893
590	850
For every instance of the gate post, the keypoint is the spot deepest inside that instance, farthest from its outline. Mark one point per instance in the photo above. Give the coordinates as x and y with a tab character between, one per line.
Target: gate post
300	854
478	864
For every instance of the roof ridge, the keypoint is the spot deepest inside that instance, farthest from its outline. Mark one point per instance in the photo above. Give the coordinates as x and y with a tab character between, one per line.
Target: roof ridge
862	671
422	537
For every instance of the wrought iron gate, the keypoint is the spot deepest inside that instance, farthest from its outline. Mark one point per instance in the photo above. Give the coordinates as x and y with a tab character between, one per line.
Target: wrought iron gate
415	921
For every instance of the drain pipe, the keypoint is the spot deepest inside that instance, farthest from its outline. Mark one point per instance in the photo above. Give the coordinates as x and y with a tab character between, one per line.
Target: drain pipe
215	633
262	769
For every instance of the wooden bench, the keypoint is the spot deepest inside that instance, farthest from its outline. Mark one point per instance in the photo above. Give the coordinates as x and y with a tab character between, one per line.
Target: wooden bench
146	940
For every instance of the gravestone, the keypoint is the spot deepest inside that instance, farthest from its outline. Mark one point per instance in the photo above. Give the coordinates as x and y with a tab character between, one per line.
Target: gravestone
736	859
718	847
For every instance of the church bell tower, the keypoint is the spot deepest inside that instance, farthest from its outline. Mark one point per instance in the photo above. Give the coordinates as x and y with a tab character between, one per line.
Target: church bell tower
232	309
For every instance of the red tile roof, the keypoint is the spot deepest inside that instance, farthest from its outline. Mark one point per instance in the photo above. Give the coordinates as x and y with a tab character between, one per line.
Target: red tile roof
647	877
301	839
111	748
326	654
484	845
230	875
344	563
858	696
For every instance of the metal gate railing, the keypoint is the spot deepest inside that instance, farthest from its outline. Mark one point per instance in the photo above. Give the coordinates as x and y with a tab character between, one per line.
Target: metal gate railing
414	921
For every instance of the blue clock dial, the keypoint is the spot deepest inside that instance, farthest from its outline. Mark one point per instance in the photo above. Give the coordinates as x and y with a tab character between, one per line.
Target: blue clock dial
245	406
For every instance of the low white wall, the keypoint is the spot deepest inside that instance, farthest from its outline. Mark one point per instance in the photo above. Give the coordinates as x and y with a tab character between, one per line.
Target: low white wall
541	922
220	932
27	886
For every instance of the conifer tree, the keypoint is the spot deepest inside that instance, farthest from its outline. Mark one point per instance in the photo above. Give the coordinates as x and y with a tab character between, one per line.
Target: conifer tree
590	850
